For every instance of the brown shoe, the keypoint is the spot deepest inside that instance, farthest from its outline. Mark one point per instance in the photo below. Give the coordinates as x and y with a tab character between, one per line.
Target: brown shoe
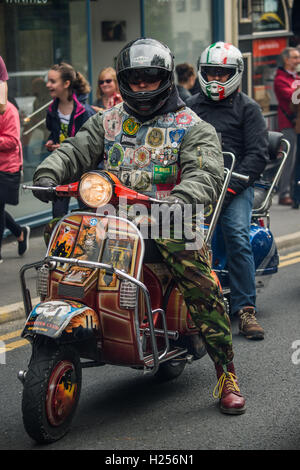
248	324
285	201
227	390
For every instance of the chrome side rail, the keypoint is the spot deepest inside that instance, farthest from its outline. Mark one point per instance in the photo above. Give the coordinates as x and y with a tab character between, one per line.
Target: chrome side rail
261	211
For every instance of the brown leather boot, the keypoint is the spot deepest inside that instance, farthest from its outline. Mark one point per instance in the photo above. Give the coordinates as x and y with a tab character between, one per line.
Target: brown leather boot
248	324
231	400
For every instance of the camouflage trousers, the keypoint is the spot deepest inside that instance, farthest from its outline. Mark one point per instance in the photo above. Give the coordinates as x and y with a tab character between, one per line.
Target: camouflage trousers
192	272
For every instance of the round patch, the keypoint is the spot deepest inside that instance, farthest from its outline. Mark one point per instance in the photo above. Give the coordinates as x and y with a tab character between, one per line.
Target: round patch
130	126
116	155
183	119
112	124
155	137
142	157
166	121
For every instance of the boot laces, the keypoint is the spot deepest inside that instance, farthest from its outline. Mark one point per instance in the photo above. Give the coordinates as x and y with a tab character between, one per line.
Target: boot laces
248	318
230	380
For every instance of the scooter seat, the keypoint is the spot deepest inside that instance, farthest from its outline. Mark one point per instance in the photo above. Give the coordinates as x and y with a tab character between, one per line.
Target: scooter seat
274	143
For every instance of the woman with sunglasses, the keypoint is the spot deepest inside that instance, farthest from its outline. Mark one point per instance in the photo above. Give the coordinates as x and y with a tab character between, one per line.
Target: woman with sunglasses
107	91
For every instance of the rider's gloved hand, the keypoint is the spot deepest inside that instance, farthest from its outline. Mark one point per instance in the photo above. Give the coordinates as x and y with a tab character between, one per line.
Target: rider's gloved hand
42	195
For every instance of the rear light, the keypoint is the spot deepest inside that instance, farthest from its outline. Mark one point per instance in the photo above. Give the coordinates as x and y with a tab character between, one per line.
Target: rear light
128	294
42	281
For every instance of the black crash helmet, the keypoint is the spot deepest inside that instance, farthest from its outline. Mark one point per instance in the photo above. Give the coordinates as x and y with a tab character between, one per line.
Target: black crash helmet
150	60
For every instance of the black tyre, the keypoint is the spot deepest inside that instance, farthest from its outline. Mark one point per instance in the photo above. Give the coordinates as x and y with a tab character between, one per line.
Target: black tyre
170	370
51	392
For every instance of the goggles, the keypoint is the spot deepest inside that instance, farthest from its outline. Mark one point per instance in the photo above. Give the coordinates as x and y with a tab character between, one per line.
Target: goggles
147	75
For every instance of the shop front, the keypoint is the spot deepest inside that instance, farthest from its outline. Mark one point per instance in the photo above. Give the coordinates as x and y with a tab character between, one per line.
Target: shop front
264	31
35	34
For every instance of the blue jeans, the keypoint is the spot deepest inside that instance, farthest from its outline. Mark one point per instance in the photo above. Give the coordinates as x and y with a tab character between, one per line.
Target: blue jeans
235	223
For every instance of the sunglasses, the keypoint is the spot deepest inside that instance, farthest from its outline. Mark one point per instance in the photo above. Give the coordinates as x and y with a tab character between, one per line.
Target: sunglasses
147	75
101	82
218	71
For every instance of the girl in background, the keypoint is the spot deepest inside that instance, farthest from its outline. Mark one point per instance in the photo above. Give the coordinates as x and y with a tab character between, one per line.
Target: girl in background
108	94
66	114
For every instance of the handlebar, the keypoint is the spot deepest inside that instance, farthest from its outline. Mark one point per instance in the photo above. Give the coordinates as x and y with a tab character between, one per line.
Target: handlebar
240	176
39	188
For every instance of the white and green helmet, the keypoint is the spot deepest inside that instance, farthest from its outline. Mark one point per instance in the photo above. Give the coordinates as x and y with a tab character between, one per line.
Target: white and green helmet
226	58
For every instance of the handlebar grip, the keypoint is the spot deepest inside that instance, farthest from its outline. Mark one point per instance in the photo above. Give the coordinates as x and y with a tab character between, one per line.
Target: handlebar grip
240	177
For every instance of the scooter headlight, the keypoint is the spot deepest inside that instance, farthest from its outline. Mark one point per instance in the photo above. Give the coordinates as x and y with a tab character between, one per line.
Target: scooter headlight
95	189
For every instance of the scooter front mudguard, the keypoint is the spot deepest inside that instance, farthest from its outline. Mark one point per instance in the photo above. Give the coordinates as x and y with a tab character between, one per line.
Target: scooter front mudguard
57	317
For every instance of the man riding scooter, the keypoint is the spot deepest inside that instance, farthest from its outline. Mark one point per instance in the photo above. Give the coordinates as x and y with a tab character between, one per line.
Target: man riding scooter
240	123
149	141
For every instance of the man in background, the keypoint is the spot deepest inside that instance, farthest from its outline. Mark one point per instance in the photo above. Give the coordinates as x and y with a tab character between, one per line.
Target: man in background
283	86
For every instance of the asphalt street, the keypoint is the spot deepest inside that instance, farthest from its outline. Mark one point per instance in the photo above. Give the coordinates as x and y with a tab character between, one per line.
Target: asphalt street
122	409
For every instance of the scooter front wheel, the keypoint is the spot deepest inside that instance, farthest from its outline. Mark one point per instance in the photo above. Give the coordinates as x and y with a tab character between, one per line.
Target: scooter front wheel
51	392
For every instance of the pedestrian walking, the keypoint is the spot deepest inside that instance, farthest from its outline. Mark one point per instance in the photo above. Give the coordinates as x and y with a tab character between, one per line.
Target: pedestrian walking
3	86
284	88
11	160
66	114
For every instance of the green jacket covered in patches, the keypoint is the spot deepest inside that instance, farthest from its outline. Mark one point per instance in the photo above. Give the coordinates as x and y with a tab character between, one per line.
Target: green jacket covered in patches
175	153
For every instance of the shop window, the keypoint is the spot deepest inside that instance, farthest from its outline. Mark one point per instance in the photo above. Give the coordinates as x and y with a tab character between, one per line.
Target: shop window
245	10
195	5
180	5
33	37
185	26
269	15
265	62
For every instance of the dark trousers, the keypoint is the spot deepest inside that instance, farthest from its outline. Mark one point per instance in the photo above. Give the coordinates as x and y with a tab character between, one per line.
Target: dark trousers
7	221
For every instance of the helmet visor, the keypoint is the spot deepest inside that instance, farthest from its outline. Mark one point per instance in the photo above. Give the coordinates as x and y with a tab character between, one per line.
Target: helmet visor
147	75
214	71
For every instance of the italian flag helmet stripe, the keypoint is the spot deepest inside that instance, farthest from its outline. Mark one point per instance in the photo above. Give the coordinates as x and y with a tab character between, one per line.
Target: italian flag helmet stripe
210	47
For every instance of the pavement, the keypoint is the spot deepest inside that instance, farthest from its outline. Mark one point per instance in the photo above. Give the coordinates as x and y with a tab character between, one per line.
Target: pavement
285	226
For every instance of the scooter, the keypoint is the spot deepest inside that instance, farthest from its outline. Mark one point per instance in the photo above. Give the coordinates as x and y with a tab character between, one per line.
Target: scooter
106	298
262	240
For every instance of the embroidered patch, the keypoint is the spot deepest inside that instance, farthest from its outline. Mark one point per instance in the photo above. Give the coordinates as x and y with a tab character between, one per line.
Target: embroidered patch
141	180
142	157
128	157
116	155
155	137
112	124
129	140
183	119
130	126
166	121
164	174
176	137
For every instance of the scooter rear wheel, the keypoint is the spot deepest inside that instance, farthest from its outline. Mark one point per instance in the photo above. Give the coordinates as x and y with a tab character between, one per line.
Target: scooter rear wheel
51	392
